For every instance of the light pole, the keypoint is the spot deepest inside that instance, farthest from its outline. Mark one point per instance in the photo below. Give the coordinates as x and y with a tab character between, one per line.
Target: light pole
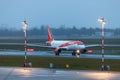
102	21
25	42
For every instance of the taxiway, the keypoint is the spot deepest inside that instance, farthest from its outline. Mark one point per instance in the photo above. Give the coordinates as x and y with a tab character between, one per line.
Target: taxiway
51	54
19	73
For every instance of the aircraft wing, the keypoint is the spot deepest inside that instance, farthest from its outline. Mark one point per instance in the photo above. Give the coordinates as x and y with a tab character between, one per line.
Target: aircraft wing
92	45
45	46
40	45
11	43
98	45
28	44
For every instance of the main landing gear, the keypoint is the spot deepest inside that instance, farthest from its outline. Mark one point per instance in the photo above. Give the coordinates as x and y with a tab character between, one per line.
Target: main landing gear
57	53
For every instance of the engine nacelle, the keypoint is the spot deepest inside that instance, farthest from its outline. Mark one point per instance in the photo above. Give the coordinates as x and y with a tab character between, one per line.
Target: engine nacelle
83	50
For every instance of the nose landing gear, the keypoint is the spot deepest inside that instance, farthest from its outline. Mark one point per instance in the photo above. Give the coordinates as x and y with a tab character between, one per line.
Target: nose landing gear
76	53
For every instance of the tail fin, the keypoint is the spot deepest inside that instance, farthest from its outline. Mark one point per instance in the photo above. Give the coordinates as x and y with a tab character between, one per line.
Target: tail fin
50	38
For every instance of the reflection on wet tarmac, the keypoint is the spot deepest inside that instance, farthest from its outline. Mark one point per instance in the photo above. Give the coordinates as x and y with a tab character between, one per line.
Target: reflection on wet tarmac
13	73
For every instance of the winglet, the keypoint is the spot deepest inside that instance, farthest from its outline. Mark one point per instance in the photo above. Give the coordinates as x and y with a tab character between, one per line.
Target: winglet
50	38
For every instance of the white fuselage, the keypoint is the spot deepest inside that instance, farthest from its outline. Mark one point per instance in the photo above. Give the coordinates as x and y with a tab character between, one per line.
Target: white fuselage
67	45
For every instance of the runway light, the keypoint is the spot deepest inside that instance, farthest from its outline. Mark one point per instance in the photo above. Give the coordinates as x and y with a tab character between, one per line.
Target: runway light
26	63
30	49
101	20
67	66
90	51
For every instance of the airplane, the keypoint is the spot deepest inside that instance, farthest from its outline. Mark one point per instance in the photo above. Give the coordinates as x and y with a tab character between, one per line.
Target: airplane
77	47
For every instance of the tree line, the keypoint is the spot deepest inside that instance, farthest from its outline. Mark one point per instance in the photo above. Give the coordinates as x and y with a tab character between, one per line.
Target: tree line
66	31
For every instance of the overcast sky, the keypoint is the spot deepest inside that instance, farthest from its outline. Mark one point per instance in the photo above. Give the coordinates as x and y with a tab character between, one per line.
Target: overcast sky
81	13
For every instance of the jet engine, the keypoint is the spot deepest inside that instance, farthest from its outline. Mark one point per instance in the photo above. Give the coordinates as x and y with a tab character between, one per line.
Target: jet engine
83	51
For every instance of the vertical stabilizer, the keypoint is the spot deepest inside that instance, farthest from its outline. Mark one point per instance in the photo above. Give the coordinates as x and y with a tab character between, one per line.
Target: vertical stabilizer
50	38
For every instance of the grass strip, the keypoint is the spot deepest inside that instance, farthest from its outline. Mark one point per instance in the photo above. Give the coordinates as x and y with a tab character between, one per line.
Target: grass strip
60	62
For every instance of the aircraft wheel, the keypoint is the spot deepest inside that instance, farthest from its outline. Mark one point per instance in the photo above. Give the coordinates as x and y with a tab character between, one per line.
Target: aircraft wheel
77	55
57	54
73	53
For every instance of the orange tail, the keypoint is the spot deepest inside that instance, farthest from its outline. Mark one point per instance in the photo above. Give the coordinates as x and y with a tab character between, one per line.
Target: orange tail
50	38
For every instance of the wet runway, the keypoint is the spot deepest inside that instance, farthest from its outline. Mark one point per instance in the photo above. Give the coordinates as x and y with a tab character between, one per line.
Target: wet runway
51	54
13	73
